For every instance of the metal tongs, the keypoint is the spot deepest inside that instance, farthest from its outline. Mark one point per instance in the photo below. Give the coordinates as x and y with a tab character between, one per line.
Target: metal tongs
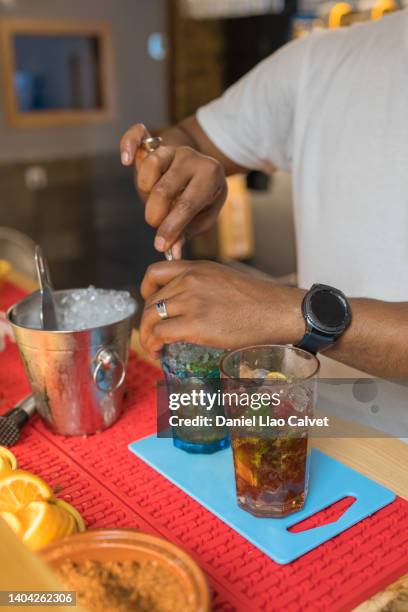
151	143
48	313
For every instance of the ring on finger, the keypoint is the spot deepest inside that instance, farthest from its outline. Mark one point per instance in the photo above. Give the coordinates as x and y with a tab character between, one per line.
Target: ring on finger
161	309
151	143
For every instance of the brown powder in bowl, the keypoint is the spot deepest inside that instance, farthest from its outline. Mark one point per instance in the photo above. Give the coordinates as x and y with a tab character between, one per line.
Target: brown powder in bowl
122	586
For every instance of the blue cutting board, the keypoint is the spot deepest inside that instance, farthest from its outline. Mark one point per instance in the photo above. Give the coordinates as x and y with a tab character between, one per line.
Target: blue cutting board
209	479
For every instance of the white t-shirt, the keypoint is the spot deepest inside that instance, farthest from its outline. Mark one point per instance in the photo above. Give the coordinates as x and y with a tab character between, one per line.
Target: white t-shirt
333	108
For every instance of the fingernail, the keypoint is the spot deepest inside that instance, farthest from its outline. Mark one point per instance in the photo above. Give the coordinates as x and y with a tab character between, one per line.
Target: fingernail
125	157
159	243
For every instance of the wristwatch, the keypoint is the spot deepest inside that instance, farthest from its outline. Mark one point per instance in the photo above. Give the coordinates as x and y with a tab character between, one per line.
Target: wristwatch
327	315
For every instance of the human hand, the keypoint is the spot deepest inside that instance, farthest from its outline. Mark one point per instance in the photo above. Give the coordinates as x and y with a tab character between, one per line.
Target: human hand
213	305
183	190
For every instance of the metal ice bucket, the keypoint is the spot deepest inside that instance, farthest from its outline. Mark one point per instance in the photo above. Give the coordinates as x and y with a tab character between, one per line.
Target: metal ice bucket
77	377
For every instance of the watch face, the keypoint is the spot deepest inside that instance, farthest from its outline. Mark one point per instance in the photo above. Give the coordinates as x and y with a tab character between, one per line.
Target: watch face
328	310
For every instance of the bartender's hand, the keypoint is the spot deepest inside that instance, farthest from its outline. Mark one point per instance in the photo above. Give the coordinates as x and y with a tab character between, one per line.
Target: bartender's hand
214	305
183	189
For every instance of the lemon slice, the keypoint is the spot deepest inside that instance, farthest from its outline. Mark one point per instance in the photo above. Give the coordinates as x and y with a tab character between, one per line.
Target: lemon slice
19	488
276	375
5	453
80	523
13	522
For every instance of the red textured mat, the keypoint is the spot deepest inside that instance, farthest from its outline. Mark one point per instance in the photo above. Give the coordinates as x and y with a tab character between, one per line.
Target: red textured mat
112	487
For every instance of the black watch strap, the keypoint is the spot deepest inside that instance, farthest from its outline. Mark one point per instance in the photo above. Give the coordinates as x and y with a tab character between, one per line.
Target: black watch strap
314	342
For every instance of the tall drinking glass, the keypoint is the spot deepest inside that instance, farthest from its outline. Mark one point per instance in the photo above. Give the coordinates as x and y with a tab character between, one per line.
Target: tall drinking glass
270	456
189	367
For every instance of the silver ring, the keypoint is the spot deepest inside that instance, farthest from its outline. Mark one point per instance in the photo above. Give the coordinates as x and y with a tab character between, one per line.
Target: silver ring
151	143
162	309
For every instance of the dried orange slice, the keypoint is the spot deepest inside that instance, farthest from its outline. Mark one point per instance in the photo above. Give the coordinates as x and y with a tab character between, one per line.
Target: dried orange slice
19	488
13	522
44	523
80	523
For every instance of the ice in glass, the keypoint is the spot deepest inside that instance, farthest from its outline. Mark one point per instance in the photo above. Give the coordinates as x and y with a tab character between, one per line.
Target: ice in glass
270	455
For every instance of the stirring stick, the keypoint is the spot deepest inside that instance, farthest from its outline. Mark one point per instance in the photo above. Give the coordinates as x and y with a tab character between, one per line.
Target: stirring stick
151	143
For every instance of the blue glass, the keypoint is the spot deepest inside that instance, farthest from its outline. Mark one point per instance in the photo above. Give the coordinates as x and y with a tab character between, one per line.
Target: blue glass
186	367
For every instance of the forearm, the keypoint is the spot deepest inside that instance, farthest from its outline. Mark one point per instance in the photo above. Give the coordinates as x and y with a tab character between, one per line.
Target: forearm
377	339
189	133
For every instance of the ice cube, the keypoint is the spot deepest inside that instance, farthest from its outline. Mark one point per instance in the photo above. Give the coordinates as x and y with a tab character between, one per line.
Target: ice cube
299	397
91	307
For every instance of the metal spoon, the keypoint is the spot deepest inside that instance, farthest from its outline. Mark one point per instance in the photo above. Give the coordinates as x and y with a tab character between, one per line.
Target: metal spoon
151	143
48	309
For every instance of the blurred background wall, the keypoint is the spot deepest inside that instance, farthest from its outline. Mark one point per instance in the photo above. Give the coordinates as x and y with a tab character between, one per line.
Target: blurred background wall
63	185
139	80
